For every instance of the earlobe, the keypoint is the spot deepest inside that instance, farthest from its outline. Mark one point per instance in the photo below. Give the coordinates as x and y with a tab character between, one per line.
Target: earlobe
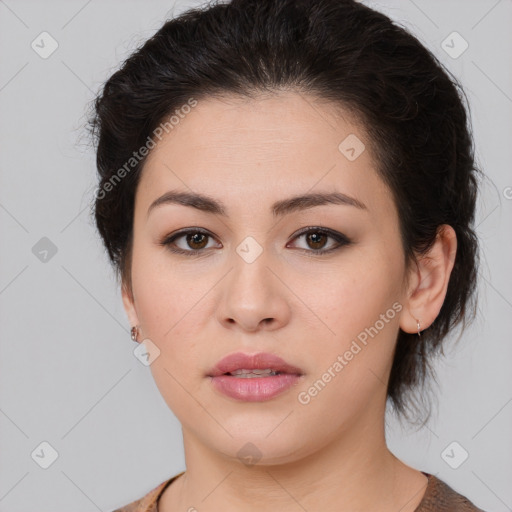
428	290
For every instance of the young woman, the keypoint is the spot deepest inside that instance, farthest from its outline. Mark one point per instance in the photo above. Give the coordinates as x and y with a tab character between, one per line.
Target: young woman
287	191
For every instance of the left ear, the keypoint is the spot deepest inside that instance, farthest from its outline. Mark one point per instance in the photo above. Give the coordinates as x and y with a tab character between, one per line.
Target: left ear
428	282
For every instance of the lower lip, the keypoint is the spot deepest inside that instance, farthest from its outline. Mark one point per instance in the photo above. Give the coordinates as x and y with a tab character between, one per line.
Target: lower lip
256	389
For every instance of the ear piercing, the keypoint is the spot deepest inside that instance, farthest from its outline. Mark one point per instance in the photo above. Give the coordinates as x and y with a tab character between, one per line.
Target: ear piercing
135	333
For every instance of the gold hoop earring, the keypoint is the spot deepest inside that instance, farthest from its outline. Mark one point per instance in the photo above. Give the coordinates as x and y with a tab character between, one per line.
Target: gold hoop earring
419	328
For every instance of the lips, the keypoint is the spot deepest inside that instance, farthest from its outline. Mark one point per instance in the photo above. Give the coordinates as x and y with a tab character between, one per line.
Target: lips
254	378
261	361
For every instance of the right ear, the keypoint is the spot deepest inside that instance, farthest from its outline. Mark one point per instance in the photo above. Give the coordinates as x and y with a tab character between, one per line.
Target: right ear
129	305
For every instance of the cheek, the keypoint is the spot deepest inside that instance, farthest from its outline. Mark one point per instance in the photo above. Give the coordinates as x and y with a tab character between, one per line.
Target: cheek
169	311
158	290
171	306
352	296
169	317
361	306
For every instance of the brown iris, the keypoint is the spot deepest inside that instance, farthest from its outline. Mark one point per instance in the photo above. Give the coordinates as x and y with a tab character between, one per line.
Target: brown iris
197	238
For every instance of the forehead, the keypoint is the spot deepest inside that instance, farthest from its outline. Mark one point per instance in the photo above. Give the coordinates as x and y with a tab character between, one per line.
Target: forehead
241	148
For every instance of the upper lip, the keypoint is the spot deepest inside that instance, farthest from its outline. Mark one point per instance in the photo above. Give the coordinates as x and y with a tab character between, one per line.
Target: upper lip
261	360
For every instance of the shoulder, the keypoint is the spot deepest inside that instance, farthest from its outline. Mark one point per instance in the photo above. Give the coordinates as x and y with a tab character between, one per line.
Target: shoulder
148	503
440	497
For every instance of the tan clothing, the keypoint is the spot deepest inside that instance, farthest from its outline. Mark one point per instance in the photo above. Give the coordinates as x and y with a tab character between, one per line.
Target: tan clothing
438	497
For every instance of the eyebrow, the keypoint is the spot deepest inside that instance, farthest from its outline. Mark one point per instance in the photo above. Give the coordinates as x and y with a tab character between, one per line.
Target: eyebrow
279	208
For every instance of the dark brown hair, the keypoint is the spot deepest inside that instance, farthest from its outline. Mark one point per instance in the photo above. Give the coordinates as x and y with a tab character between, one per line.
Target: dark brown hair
341	51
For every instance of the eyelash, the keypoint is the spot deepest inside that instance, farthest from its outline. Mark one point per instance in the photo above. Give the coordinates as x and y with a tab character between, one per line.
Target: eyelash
342	240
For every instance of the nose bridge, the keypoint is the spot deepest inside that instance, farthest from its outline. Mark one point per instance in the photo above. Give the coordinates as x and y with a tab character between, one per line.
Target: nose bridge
252	294
250	274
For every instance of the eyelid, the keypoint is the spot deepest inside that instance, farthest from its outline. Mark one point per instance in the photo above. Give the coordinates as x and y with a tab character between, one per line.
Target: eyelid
339	238
321	229
171	238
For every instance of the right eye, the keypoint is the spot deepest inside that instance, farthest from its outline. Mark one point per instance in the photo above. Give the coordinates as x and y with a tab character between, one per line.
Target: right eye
196	239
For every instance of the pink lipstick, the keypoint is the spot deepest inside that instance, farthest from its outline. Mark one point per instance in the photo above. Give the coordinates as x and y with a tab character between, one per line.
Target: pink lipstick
253	377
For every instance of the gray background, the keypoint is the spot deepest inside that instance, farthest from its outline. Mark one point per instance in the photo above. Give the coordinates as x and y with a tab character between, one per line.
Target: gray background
67	372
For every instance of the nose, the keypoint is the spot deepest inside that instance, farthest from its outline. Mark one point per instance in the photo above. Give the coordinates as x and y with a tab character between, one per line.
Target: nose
254	296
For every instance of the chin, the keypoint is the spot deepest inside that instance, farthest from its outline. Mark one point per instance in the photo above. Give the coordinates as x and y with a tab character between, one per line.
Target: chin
261	445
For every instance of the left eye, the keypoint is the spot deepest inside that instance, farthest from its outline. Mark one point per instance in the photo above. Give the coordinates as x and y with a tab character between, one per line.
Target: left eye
316	239
198	240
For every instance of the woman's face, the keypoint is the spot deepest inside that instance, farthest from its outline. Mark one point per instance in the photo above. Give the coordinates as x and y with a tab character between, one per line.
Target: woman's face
258	285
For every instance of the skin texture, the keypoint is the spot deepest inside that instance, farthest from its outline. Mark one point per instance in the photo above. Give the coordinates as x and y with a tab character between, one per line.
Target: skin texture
329	454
